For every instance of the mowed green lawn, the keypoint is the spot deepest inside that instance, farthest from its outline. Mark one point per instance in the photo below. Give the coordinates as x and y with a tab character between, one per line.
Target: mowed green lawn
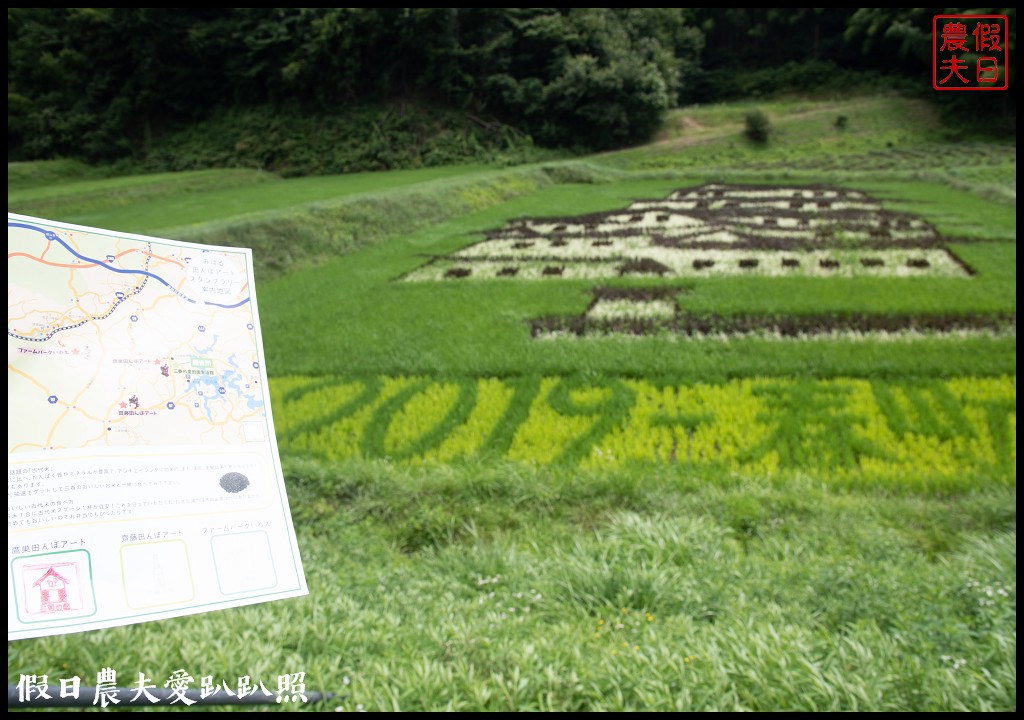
819	525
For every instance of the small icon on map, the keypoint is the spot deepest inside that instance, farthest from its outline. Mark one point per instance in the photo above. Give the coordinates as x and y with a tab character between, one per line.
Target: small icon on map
165	370
52	399
133	402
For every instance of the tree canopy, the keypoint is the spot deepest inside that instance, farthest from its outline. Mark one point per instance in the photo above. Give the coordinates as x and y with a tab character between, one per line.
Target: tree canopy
98	83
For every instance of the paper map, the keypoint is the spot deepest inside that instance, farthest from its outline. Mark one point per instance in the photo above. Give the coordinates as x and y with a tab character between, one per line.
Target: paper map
143	474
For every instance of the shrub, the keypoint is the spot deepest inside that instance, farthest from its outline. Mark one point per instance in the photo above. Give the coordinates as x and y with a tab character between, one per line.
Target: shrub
759	127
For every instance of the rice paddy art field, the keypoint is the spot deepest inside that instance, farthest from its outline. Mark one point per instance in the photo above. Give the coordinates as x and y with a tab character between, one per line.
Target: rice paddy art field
851	430
694	426
711	230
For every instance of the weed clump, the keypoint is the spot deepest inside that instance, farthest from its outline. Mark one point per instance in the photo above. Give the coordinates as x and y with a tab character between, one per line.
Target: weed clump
758	127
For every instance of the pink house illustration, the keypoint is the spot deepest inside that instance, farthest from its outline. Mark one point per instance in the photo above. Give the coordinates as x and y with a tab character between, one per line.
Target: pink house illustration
52	587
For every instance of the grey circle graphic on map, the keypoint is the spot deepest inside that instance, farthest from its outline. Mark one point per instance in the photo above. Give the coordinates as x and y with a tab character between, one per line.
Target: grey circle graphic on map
234	482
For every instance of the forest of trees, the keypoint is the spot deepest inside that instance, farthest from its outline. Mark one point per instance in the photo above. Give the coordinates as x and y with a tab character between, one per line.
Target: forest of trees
101	83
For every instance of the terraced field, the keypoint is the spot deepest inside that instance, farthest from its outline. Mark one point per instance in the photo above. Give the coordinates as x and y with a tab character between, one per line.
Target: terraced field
695	426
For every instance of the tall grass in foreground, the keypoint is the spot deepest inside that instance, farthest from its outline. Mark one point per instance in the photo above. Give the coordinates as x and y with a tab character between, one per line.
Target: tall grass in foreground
494	587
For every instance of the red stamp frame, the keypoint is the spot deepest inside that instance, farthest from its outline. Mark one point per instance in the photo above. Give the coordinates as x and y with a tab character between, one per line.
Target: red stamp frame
984	70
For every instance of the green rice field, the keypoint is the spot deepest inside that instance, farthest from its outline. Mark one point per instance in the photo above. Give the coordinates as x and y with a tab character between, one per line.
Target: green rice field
698	426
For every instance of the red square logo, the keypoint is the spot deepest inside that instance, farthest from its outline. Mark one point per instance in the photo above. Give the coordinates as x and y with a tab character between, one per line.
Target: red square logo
970	52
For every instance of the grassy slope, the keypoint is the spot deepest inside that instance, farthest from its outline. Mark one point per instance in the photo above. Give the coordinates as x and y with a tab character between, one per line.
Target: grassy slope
158	204
732	592
881	133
